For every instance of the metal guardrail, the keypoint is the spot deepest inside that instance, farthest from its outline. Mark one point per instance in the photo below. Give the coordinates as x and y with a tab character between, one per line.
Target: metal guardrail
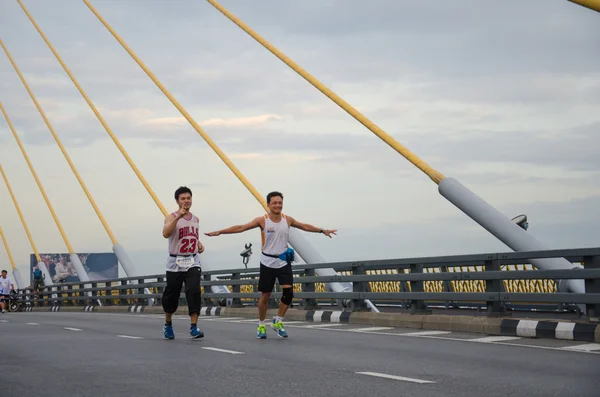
411	294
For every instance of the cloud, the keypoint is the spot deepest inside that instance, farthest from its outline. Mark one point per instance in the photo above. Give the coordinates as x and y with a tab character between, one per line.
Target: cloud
231	122
242	121
573	148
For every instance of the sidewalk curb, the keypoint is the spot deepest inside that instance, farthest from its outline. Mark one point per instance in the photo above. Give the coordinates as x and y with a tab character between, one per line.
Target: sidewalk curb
527	328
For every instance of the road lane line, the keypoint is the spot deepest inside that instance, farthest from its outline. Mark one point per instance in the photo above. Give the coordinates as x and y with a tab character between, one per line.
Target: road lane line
588	347
321	325
492	339
32	323
370	329
427	333
130	337
222	350
394	377
73	329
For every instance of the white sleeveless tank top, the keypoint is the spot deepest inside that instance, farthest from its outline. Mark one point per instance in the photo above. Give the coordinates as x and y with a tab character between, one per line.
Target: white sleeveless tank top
184	242
274	241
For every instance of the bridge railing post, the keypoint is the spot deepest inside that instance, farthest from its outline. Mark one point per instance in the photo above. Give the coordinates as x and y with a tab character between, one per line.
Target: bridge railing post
236	289
403	287
206	302
494	308
447	288
309	303
592	286
94	295
80	302
107	293
123	291
141	291
358	269
418	306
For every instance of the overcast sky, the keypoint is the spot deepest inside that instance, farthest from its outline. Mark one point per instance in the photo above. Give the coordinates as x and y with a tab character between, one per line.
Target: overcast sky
502	96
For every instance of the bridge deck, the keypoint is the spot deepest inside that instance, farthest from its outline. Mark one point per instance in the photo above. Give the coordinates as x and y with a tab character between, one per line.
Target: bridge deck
97	354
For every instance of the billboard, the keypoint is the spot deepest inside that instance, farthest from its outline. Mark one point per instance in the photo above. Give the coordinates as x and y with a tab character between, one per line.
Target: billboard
99	266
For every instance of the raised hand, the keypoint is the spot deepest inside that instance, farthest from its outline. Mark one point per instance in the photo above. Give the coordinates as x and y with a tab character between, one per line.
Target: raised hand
328	233
181	213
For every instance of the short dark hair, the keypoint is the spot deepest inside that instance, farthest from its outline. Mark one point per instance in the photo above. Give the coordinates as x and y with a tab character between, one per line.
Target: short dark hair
4	271
181	190
273	194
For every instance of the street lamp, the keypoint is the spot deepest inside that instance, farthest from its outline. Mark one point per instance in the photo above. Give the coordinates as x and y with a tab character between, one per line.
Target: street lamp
246	253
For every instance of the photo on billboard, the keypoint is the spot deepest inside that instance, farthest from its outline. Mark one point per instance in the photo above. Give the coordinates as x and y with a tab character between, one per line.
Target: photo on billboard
99	266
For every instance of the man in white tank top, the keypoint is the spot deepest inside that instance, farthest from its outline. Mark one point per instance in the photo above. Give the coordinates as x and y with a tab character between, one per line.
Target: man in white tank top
275	262
183	263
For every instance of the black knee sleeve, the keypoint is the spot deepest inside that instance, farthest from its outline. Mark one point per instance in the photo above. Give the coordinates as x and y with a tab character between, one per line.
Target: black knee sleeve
287	295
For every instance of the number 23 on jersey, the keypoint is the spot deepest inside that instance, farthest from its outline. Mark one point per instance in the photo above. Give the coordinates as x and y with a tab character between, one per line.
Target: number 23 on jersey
188	246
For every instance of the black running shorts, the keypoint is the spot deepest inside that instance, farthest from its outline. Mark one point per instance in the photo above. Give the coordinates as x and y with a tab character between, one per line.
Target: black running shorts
268	275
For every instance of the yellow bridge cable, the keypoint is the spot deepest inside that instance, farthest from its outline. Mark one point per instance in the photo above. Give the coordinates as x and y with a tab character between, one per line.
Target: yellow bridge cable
97	113
37	180
14	199
185	114
436	176
591	4
10	258
62	148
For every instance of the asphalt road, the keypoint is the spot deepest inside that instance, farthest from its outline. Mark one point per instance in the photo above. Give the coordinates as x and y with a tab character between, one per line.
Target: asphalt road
97	354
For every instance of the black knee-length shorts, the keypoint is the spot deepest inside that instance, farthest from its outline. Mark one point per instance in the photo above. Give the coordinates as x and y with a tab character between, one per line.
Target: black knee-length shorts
268	275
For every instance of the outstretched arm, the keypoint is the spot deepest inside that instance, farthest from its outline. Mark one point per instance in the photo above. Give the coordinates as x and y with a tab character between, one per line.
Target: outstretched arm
310	228
256	222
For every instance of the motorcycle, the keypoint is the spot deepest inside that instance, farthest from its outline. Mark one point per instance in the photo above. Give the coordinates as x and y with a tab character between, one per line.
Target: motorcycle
14	300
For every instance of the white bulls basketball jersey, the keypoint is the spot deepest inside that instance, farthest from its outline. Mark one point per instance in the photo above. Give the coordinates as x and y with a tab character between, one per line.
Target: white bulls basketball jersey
183	244
274	241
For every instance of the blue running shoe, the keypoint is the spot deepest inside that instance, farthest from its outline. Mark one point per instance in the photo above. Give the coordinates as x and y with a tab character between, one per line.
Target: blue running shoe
168	332
278	327
195	333
262	332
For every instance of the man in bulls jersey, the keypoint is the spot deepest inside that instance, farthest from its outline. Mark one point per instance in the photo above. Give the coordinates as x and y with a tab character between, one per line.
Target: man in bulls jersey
183	263
276	259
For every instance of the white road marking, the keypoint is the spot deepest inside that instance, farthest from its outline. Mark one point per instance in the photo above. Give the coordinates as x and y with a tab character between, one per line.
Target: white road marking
3	321
462	340
394	377
130	337
588	347
322	325
492	339
222	350
73	329
218	318
32	324
370	329
427	333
